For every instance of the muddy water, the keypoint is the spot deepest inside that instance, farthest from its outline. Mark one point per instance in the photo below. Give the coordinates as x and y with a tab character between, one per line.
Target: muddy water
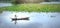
36	20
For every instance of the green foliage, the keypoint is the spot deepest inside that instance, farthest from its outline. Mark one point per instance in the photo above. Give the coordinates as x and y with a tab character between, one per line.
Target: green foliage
33	8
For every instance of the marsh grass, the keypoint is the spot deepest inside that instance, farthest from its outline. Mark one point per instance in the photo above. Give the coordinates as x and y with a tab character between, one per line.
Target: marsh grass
33	8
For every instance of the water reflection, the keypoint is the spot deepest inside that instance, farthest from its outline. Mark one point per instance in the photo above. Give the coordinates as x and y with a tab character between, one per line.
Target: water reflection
37	20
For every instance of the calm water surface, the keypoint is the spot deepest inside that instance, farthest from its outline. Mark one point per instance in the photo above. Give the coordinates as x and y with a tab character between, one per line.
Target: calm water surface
36	20
5	4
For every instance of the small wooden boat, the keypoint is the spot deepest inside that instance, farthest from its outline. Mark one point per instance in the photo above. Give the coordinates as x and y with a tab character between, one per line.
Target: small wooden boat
25	18
15	19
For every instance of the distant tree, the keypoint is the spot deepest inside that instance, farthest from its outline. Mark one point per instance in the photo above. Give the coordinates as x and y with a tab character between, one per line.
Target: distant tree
46	0
27	1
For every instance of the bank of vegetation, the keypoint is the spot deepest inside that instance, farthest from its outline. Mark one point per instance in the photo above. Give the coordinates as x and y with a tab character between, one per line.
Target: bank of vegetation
33	8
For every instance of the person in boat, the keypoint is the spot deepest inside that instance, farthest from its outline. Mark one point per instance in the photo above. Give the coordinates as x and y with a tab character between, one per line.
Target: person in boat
15	19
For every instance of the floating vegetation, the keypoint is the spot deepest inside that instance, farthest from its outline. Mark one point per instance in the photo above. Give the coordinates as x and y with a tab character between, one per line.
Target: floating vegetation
33	8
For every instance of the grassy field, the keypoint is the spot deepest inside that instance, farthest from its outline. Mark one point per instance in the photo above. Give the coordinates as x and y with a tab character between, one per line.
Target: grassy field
33	8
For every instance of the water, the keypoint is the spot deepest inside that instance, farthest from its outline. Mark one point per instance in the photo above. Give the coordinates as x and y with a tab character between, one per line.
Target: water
36	20
5	4
50	3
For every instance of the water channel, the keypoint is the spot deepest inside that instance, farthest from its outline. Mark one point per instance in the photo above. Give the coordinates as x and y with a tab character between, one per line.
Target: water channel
36	20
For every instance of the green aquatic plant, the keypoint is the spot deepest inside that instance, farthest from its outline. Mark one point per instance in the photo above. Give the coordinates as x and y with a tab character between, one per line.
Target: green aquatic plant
33	8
